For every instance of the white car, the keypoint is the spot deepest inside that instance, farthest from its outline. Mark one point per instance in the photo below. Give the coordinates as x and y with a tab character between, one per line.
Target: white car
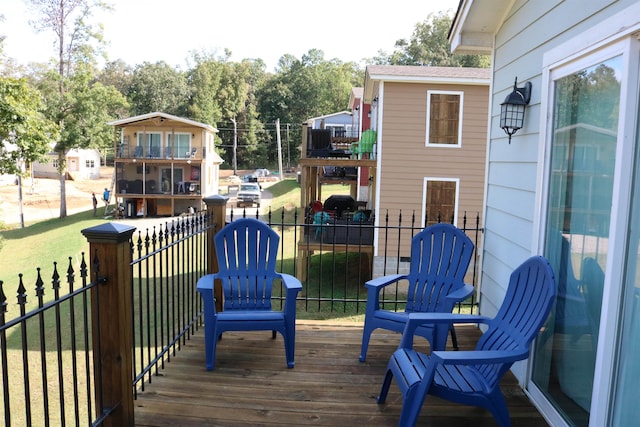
249	193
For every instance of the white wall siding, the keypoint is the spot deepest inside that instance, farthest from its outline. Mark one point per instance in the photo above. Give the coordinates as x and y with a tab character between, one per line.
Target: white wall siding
531	28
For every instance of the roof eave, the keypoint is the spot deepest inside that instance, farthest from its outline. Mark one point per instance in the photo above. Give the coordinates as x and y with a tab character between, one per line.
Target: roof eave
475	24
143	117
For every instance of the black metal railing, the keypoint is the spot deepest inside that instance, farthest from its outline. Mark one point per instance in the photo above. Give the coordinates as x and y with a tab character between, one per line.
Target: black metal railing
51	349
333	260
47	355
167	262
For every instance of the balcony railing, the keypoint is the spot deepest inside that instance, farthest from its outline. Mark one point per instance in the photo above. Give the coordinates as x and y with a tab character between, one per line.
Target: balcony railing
70	358
123	151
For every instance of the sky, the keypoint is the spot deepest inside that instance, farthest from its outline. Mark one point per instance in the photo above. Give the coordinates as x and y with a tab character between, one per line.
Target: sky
168	30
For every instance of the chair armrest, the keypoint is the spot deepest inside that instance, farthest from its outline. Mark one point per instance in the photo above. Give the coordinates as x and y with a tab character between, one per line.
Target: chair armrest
418	319
374	286
290	282
475	357
205	287
459	295
380	282
205	282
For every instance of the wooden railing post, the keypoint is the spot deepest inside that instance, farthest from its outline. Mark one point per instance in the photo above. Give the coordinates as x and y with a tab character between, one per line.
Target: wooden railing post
111	308
217	210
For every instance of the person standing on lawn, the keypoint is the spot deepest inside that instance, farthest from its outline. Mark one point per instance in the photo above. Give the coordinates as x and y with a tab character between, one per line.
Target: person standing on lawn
95	203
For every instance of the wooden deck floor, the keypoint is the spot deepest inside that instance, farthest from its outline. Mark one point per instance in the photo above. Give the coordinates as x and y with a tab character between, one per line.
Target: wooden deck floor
251	385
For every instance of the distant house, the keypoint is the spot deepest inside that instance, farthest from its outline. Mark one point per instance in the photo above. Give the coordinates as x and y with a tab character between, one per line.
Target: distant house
80	163
424	146
164	164
431	130
340	124
567	186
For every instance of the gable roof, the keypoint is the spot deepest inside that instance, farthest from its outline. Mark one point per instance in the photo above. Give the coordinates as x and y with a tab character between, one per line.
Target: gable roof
424	74
161	117
418	73
355	97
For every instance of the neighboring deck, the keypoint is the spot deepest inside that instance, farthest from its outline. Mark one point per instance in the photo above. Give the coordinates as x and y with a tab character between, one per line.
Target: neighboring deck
328	386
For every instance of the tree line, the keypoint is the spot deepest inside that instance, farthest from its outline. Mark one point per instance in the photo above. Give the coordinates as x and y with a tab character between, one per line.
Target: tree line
67	103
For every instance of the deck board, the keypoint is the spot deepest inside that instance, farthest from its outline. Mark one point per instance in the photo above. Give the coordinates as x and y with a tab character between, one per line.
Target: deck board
251	385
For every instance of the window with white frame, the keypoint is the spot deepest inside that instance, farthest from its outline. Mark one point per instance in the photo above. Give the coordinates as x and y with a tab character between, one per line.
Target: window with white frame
90	164
151	141
180	143
440	200
444	118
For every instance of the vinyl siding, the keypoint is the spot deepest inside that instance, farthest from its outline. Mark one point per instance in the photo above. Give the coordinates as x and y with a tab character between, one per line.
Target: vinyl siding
530	29
406	161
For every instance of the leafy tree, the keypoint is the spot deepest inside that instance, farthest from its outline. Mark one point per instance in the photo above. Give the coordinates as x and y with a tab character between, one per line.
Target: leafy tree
25	133
117	74
77	43
224	93
429	45
158	87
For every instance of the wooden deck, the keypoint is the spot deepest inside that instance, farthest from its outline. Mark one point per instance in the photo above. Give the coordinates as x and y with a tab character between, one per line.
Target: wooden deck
251	385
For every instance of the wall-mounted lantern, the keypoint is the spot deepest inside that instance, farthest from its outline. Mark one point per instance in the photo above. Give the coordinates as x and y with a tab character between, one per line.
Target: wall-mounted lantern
513	108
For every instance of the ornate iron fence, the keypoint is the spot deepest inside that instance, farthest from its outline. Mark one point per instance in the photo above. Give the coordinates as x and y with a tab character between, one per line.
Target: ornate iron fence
61	354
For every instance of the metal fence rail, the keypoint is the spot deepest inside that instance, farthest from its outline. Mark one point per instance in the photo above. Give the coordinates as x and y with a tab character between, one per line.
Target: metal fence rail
167	262
333	270
52	352
47	355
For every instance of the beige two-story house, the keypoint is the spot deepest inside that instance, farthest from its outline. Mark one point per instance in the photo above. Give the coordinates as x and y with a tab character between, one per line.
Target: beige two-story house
164	164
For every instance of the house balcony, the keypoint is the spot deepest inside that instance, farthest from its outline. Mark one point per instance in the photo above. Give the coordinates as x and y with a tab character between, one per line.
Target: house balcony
123	151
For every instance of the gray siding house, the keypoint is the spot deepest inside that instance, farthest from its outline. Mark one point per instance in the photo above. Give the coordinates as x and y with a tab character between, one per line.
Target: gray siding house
566	186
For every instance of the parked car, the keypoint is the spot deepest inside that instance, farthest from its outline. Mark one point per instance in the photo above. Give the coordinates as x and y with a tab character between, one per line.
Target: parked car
249	194
261	172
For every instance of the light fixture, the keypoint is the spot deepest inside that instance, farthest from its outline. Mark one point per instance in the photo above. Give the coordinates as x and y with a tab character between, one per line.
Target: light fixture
513	107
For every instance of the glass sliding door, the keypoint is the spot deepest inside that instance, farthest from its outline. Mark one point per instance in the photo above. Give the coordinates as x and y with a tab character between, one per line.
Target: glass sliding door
584	136
626	408
181	143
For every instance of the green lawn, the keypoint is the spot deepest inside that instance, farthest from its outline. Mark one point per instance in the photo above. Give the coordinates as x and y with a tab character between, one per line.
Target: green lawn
39	245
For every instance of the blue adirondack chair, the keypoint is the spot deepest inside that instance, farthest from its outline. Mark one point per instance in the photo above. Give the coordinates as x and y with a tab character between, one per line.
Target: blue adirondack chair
440	256
473	377
247	252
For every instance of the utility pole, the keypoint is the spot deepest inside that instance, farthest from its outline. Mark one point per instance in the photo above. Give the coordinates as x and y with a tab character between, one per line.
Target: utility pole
20	199
279	149
288	149
235	146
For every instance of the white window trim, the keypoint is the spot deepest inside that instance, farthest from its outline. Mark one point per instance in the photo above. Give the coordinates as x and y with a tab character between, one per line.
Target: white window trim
168	142
424	196
596	45
428	120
